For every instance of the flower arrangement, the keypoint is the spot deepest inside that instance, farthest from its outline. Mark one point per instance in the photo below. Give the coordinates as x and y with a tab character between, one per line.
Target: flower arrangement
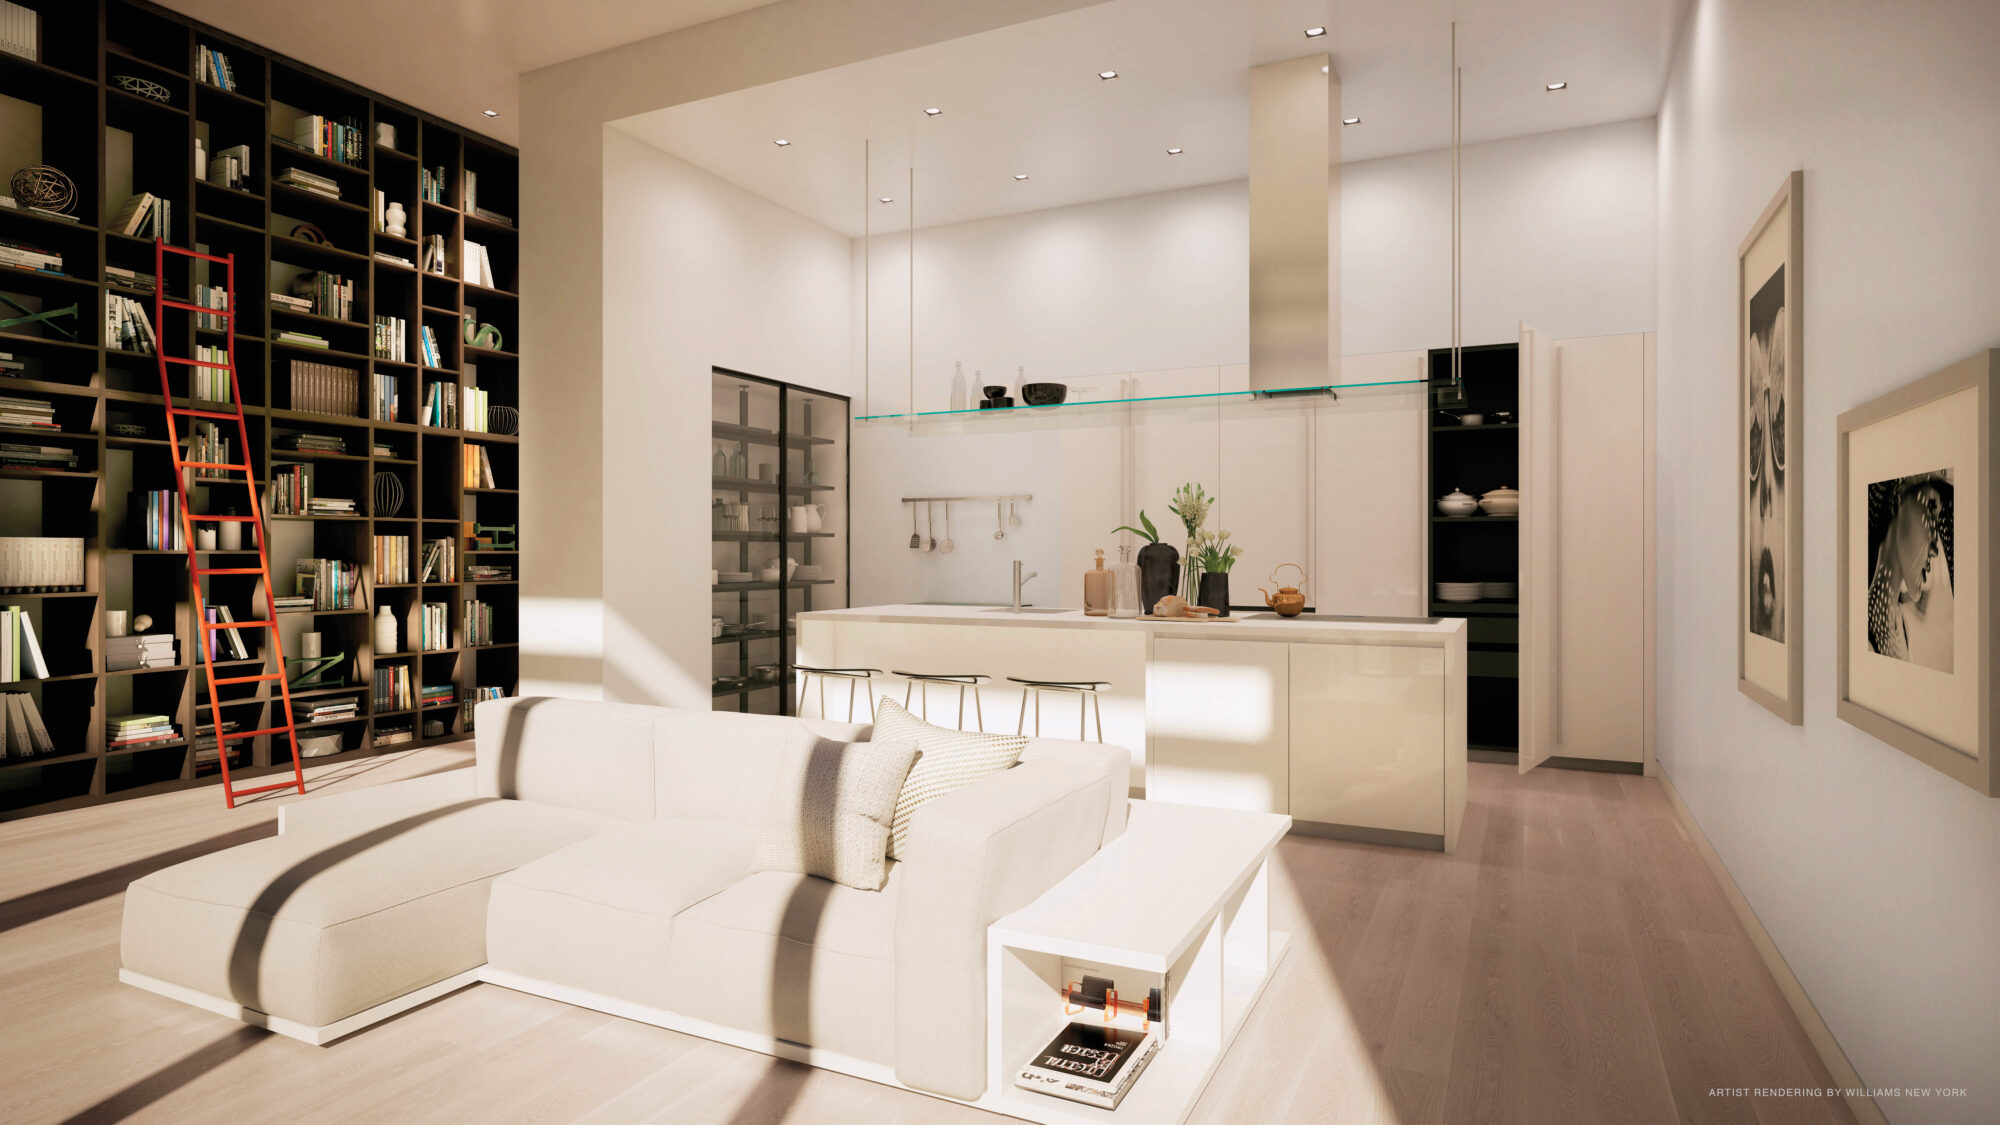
1191	503
1213	553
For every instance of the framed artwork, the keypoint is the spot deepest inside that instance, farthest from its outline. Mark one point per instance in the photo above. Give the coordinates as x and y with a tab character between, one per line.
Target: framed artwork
1770	380
1916	570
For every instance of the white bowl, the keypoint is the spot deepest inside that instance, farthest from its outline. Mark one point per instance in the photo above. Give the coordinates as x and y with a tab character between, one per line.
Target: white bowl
1501	502
1471	419
1457	504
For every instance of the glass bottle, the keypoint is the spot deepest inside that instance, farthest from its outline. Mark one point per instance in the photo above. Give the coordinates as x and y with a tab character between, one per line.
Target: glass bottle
958	385
739	464
1124	586
1097	589
721	462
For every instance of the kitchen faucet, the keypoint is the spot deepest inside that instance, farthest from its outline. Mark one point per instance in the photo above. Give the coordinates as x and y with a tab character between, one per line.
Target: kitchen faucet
1019	581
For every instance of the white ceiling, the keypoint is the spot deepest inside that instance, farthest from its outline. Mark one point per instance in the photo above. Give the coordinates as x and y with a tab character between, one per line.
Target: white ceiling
454	58
1027	99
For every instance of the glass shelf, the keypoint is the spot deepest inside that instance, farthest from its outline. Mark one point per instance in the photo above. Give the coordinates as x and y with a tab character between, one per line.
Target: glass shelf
1297	399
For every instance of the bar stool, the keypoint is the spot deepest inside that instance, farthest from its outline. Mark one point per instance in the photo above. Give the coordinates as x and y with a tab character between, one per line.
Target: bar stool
961	681
854	678
1085	691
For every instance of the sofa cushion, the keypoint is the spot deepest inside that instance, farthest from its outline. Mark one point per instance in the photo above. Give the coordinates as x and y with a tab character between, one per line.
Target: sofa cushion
719	765
315	926
569	752
952	760
830	808
598	914
795	957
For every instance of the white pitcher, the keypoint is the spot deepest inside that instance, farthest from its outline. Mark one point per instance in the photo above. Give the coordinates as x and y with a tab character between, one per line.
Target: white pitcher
807	518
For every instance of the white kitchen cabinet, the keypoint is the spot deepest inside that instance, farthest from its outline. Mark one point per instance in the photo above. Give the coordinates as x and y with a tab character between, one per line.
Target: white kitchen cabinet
1218	716
1587	548
1367	729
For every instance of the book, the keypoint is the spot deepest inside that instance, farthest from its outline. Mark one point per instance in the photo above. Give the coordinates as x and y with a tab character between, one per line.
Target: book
40	563
20	31
20	653
1090	1063
132	213
22	732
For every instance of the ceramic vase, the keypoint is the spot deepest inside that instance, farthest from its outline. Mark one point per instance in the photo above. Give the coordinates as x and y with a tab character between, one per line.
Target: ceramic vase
385	632
1159	573
396	221
1215	591
230	535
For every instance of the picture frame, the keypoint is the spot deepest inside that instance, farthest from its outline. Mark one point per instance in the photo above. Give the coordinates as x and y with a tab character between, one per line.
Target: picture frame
1917	548
1770	504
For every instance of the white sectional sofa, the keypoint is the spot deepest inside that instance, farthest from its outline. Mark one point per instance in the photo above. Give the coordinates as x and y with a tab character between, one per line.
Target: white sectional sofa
600	854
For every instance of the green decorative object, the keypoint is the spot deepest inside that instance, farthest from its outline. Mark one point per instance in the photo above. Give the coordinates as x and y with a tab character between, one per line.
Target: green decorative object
471	330
488	338
315	670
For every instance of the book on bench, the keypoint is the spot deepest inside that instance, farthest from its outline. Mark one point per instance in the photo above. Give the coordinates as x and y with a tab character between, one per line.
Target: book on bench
1092	1063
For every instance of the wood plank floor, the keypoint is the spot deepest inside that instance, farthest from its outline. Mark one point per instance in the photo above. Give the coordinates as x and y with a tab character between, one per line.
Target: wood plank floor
1574	962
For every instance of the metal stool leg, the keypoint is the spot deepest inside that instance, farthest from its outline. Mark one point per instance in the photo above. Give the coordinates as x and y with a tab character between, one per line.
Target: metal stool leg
851	685
1097	709
1021	723
977	710
1082	705
805	681
961	706
1038	712
871	704
908	687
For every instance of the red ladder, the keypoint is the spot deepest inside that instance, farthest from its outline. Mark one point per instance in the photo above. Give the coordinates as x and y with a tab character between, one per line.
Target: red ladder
196	572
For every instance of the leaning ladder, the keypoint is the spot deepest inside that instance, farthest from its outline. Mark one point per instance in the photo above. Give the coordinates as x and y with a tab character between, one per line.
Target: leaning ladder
207	629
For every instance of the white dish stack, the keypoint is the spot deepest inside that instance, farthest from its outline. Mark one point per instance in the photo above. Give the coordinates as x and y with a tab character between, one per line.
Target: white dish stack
1500	591
1460	591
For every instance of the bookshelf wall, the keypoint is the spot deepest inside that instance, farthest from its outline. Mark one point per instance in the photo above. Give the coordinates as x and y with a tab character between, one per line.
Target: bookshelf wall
114	143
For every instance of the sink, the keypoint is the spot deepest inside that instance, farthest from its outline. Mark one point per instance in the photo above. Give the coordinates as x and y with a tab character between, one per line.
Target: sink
1026	609
1343	617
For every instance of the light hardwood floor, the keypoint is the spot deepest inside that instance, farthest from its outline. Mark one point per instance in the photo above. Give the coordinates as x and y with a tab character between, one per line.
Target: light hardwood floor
1574	962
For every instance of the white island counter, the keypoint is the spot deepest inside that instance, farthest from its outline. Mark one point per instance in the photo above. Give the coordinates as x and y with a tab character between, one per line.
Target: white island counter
1353	726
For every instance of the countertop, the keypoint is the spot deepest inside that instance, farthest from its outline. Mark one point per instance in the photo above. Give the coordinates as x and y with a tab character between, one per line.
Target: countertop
1259	625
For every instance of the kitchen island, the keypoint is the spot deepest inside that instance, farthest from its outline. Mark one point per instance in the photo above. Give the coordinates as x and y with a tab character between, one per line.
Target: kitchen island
1354	726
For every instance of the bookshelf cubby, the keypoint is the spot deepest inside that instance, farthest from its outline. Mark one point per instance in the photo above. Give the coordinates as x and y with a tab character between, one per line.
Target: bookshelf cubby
113	142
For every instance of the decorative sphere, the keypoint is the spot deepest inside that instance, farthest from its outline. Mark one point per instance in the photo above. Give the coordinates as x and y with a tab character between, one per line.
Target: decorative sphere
39	185
142	623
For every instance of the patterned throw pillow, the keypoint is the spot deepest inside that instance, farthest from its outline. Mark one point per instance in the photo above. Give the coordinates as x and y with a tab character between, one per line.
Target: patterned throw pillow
831	808
952	760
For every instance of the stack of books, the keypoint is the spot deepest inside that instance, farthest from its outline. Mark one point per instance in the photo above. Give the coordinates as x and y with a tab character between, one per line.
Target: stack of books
388	399
311	443
293	601
210	384
326	294
431	184
300	339
336	138
212	67
329	506
208	751
126	326
477	470
22	256
489	572
311	183
494	217
477	404
331	582
205	442
393	689
211	297
434	630
326	710
139	730
440	403
478	623
392	335
394	259
33	413
482	694
291	303
11	365
130	279
41	563
20	31
230	646
22	733
1092	1063
153	521
291	489
392	559
20	654
140	650
427	344
439	693
322	388
228	168
37	458
145	215
391	735
477	265
440	561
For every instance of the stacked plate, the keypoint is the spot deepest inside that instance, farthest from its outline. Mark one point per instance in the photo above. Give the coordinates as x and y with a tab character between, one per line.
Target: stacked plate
735	576
807	572
1500	591
1460	591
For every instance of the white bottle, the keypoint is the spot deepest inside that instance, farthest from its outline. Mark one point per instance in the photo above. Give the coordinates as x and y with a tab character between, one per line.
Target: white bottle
385	632
200	160
958	385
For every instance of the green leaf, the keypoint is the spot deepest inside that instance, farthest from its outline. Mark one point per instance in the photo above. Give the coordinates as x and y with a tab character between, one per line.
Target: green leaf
1152	532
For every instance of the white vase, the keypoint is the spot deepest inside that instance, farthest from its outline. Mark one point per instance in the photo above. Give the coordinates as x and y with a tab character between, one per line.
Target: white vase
230	535
395	220
385	632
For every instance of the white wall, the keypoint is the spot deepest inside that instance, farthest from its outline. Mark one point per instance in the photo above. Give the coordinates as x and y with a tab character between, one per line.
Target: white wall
1559	232
1879	879
717	277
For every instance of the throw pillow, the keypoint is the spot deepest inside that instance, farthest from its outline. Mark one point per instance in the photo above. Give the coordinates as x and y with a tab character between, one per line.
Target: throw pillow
831	807
951	760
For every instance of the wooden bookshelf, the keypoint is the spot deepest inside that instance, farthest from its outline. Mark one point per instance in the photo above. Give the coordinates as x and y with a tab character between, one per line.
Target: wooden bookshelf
112	143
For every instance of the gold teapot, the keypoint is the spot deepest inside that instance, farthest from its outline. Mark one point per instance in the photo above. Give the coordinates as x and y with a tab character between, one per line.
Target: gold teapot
1287	602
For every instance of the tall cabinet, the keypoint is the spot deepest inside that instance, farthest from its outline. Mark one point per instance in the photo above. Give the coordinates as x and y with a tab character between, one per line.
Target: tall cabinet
779	513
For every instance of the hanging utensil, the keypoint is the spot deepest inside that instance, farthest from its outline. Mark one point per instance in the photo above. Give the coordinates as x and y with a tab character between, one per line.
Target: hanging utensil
945	547
930	525
1013	520
916	540
999	521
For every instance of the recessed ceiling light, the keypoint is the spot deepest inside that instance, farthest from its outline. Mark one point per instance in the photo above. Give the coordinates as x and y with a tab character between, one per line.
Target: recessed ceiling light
1350	121
490	112
933	111
1326	68
1554	86
1020	175
781	142
1315	32
1174	151
1107	75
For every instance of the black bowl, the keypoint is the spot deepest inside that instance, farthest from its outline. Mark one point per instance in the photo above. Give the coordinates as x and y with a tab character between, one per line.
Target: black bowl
1003	402
1043	394
994	392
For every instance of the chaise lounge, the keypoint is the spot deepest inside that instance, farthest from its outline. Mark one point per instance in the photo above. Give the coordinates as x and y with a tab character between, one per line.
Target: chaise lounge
602	854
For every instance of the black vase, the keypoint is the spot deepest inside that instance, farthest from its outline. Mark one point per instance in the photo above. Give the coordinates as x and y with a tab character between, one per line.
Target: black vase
1215	591
1159	573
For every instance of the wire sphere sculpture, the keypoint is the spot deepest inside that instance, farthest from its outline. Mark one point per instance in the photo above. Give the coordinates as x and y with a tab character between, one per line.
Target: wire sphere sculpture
144	87
39	185
503	420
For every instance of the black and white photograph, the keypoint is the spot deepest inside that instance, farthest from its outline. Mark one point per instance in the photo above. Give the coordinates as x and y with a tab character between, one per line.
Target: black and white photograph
1764	475
1910	586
